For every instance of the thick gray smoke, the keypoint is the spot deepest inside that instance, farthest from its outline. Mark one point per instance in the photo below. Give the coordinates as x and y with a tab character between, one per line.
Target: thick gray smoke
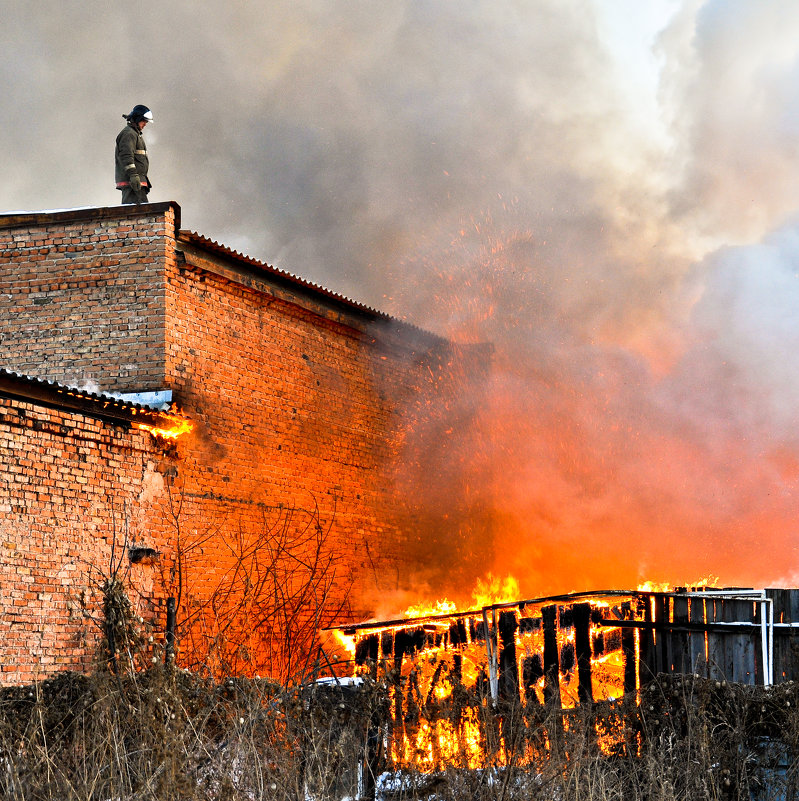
496	171
332	139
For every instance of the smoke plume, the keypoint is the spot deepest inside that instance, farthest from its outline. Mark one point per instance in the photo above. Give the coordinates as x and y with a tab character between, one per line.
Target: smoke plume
623	231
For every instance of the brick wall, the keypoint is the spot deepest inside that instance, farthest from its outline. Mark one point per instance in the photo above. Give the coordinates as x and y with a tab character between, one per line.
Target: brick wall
296	395
296	402
72	489
292	408
83	296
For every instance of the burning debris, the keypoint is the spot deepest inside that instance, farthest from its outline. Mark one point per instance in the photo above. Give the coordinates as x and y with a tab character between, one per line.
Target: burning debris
562	652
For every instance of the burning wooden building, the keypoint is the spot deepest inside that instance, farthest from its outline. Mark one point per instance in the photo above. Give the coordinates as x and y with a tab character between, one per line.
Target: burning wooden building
567	651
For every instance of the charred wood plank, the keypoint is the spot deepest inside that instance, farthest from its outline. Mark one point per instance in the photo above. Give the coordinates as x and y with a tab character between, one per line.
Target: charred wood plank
532	673
662	636
628	650
781	653
582	646
508	666
647	666
366	650
549	615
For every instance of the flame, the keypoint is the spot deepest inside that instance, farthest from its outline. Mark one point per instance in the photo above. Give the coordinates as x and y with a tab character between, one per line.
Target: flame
173	427
654	586
436	743
442	607
346	641
495	590
490	590
433	726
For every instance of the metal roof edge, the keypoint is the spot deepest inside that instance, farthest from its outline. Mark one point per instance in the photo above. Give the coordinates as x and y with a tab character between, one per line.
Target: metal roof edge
31	389
287	279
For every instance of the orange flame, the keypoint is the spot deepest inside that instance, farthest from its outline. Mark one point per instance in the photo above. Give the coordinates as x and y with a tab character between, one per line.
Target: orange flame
495	590
442	607
489	590
345	641
654	586
173	427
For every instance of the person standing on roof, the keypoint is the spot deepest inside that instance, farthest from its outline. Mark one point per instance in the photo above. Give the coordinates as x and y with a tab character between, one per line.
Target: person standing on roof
132	163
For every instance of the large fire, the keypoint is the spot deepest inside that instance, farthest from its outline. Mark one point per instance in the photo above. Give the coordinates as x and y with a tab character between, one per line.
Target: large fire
560	652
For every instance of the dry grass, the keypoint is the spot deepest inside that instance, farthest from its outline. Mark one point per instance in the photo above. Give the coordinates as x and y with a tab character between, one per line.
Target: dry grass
168	734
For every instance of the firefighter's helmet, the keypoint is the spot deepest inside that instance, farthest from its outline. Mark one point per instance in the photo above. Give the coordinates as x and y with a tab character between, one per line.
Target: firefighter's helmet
138	114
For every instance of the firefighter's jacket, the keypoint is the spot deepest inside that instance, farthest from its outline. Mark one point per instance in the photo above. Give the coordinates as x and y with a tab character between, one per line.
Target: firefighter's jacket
131	157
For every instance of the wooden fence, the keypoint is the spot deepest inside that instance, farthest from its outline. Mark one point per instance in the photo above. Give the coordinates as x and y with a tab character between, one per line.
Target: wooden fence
560	647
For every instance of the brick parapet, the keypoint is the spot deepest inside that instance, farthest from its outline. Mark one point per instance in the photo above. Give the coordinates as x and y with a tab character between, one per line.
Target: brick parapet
84	287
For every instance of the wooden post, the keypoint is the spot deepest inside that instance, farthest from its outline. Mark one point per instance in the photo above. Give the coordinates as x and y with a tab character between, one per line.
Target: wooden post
508	667
781	651
457	668
681	644
582	648
400	641
628	649
532	671
662	635
715	640
793	635
457	633
647	664
549	616
698	641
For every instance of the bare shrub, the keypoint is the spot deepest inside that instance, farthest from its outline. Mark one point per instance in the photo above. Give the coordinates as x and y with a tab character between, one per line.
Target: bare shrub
261	614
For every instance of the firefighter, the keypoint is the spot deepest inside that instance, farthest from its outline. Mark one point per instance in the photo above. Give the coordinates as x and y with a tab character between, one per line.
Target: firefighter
132	163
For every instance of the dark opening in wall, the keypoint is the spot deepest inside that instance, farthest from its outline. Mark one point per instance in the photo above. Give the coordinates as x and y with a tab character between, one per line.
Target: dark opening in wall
140	555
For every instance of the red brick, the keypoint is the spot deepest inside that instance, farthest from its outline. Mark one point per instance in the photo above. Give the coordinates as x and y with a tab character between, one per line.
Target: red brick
295	398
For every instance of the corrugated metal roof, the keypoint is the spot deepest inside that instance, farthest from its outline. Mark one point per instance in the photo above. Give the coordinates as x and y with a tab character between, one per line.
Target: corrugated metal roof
55	386
215	247
32	389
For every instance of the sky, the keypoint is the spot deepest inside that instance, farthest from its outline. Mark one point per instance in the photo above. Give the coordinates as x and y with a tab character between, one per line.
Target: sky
605	190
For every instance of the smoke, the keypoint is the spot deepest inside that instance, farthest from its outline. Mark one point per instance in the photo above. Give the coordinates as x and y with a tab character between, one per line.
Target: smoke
581	461
611	206
331	139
